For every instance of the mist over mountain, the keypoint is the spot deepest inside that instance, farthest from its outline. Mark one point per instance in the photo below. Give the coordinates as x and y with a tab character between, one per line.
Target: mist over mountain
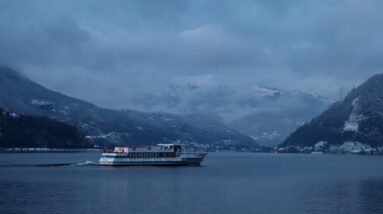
266	114
355	121
139	55
22	96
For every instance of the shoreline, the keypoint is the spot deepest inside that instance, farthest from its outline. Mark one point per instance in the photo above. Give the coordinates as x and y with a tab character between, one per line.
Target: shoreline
45	150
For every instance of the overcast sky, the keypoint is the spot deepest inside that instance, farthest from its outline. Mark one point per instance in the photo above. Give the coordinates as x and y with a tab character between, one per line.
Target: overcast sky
103	50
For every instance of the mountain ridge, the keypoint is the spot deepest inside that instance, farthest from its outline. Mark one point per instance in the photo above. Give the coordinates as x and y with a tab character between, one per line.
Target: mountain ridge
23	96
357	118
267	114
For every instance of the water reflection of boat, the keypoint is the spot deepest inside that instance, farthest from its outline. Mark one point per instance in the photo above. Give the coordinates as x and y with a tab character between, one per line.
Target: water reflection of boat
162	154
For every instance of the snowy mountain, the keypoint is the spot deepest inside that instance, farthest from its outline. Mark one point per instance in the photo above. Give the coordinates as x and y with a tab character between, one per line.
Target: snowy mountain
21	95
356	123
266	114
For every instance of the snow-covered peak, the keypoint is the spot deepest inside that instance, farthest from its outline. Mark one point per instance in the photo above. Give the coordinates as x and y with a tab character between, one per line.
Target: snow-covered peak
260	91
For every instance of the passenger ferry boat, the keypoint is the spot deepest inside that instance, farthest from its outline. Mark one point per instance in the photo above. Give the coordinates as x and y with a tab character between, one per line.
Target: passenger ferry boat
162	154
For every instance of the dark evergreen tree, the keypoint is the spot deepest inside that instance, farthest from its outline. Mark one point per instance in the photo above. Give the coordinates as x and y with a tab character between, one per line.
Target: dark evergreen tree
28	132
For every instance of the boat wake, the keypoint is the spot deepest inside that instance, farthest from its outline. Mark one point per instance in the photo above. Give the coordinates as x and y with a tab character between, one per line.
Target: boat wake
86	163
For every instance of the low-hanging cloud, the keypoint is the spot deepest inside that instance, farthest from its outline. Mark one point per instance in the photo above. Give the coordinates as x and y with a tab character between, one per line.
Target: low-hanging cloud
110	52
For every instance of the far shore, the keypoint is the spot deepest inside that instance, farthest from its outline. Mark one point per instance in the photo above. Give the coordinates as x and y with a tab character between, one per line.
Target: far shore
48	150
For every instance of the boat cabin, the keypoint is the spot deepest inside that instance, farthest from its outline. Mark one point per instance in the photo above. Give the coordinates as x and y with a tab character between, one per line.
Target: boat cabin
159	151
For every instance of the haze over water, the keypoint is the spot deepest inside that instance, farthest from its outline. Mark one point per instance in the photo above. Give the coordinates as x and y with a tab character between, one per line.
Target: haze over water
226	183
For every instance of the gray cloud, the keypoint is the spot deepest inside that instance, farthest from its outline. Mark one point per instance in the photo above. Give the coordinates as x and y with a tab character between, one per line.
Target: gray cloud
108	52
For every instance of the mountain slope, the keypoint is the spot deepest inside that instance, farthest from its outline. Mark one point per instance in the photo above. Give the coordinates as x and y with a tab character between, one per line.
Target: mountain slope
274	120
266	114
358	118
38	132
23	96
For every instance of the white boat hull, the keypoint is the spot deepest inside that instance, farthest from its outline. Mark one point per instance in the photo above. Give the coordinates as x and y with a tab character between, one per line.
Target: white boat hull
121	160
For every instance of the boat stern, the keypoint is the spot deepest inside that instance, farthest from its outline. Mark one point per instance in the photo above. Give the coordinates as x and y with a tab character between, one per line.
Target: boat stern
194	158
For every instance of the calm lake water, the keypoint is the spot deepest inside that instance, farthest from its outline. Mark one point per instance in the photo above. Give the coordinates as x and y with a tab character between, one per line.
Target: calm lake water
226	183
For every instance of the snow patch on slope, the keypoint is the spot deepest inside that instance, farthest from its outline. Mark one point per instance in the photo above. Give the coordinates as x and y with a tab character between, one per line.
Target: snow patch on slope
41	102
113	137
352	124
